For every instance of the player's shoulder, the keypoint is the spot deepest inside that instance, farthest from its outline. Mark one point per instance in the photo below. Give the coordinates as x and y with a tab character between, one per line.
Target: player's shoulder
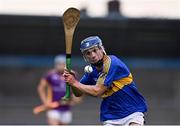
114	59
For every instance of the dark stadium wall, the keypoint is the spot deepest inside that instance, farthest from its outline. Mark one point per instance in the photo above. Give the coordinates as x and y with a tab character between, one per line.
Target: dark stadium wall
44	35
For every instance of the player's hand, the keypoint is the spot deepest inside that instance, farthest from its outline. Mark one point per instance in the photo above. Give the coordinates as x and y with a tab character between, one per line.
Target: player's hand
70	77
71	72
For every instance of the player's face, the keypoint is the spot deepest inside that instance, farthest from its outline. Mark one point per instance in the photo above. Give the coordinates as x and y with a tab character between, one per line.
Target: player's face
93	55
60	67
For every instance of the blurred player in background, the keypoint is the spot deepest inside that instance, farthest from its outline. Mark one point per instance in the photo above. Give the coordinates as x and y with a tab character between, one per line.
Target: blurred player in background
110	78
52	88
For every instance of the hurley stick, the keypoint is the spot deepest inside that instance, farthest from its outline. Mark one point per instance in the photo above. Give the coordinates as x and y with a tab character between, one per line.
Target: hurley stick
71	18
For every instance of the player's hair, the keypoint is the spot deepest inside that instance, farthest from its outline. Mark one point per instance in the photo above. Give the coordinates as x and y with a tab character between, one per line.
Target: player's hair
60	59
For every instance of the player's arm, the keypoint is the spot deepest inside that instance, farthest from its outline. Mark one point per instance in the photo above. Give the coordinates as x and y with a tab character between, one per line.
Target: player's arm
75	100
94	90
42	90
77	92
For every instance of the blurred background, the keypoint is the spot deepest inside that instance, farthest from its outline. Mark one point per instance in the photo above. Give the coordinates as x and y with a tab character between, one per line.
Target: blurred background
143	33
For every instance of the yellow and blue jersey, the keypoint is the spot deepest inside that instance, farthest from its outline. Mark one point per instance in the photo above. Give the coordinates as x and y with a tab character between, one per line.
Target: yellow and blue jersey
122	97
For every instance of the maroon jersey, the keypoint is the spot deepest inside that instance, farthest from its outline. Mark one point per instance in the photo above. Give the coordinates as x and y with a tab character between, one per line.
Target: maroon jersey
57	88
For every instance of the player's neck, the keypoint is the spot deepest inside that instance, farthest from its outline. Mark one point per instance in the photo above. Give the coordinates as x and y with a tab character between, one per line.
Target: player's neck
100	67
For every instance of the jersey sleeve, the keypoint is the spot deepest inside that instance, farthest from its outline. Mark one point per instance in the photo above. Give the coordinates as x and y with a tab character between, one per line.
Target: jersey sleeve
85	79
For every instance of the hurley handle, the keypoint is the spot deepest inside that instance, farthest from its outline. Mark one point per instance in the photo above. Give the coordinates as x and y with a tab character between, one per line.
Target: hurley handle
68	66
